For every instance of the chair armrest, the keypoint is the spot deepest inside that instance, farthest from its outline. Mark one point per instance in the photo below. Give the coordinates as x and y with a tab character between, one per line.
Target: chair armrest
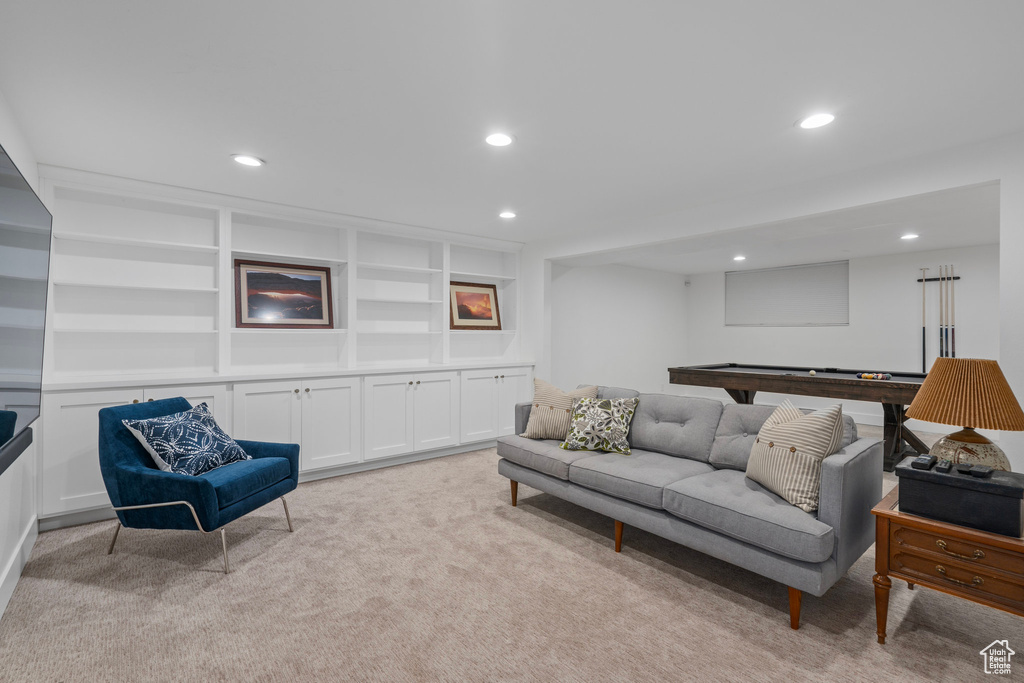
268	449
145	486
522	416
851	484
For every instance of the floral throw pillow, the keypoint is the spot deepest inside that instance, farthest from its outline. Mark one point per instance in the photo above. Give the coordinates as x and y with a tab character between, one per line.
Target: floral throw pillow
600	424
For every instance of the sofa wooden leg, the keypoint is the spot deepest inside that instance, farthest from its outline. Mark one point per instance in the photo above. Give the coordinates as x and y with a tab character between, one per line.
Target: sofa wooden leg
515	491
794	608
618	536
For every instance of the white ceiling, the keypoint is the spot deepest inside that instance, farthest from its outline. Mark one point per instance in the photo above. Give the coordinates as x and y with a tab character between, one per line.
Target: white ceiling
622	110
949	219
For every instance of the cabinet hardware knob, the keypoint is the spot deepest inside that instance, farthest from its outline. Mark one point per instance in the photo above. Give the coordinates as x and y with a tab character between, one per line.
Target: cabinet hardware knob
978	554
135	400
148	400
410	382
307	390
503	376
495	377
296	391
417	381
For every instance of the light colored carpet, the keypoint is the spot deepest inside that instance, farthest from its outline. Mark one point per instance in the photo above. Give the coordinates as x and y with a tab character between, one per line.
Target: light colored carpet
424	572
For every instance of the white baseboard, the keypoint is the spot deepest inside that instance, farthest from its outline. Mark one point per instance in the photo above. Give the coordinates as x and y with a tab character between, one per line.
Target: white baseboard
76	518
16	563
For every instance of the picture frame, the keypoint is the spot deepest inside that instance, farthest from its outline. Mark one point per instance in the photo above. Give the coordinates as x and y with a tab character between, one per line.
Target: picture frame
282	296
474	306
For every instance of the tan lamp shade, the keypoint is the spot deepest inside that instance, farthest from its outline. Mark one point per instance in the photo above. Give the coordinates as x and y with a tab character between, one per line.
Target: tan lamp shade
968	392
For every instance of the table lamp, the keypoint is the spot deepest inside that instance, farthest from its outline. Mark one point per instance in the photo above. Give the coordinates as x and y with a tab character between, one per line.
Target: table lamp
968	391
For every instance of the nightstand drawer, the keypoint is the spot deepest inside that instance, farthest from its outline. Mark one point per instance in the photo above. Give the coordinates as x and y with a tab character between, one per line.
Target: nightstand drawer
949	548
960	577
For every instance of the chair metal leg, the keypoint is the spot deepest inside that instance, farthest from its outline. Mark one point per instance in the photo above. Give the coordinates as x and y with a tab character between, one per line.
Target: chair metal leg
286	515
114	539
224	542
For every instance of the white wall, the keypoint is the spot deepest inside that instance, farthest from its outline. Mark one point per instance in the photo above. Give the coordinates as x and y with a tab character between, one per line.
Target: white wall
884	333
885	317
18	526
616	326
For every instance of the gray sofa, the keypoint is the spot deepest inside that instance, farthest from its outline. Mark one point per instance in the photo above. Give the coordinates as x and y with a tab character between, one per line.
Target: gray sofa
684	481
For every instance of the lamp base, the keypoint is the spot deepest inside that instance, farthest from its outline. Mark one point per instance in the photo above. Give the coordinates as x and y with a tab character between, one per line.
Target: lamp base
968	445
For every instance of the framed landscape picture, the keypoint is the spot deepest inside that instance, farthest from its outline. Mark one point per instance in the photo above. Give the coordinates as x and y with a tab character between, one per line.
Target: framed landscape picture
282	295
474	307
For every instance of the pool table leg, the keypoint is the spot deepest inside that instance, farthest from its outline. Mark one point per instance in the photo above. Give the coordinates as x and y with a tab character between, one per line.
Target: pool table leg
742	395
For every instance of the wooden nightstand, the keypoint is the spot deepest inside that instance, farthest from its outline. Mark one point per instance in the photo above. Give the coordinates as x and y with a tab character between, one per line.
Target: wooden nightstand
977	565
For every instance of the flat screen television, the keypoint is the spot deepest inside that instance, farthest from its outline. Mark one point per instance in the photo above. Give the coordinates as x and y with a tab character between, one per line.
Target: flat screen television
25	226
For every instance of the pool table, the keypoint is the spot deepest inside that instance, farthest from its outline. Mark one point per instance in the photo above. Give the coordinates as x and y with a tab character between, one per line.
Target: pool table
743	381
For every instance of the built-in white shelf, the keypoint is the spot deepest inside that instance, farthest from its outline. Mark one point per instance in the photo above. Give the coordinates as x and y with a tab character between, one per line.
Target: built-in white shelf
396	268
386	300
391	332
114	330
128	242
157	288
275	256
483	332
458	275
289	330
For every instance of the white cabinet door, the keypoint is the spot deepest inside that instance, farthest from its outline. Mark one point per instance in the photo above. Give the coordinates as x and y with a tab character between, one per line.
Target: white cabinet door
515	385
70	464
480	405
330	422
436	410
388	417
268	411
215	396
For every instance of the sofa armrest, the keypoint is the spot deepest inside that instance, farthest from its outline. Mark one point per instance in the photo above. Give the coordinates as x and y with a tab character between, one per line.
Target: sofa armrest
269	449
851	484
146	486
522	416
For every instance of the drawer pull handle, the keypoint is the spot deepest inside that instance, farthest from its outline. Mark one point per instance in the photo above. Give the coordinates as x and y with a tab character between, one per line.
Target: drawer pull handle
975	582
978	554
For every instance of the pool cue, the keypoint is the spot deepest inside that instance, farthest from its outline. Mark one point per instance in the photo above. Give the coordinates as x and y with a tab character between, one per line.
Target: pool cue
924	333
942	347
952	312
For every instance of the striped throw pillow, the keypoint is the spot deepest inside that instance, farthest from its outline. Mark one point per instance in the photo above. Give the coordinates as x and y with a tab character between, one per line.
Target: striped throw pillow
551	410
787	454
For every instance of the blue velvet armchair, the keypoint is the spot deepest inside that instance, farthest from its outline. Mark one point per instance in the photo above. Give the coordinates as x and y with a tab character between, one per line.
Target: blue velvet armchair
146	497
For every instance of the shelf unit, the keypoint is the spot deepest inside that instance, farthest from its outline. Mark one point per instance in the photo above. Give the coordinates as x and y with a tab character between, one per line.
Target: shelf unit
142	283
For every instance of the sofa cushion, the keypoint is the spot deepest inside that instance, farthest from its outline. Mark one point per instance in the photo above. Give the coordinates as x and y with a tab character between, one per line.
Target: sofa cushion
551	411
544	456
676	425
190	442
727	502
639	478
738	429
616	392
242	479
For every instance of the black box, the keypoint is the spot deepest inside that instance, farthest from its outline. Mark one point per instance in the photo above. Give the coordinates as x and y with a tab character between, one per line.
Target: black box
995	503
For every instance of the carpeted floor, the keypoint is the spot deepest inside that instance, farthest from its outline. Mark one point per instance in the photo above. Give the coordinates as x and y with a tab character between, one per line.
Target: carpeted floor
424	572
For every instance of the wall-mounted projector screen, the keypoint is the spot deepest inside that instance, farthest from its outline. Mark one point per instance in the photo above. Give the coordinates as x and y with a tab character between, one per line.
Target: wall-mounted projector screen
792	296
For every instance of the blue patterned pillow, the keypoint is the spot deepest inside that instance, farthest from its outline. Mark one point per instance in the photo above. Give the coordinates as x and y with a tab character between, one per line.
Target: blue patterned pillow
186	443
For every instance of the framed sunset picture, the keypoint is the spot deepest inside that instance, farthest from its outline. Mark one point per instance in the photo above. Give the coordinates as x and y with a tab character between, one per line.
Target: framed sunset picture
282	295
474	307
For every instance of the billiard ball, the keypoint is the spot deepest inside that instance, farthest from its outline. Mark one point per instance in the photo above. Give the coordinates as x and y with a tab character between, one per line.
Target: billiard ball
813	373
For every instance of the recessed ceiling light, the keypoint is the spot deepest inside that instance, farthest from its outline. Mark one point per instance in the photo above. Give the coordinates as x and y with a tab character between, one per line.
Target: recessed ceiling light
817	121
248	160
739	258
498	139
507	214
911	236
